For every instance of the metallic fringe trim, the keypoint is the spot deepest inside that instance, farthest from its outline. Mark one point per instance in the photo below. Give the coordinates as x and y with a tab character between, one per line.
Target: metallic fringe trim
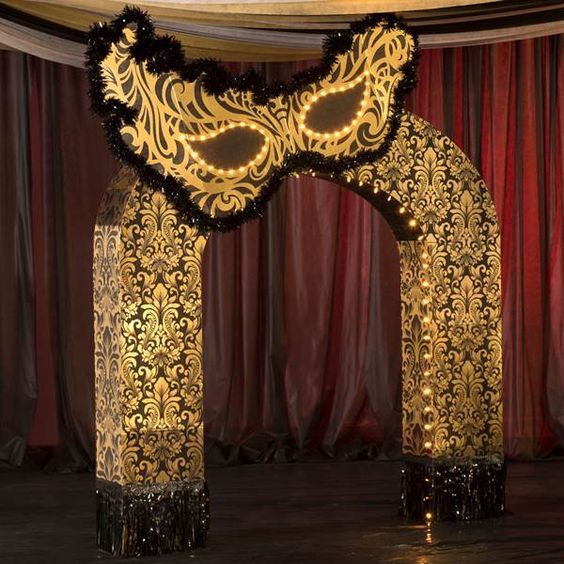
452	490
140	520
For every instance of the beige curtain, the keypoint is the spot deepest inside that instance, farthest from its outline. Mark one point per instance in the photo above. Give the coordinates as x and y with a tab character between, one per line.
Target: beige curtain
271	31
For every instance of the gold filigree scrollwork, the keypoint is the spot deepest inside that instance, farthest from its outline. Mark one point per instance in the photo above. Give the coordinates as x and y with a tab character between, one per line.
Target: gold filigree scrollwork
175	118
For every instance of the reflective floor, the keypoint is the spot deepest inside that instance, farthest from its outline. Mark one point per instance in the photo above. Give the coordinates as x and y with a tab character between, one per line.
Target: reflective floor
324	512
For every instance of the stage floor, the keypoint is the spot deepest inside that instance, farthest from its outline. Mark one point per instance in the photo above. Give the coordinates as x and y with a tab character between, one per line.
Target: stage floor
320	512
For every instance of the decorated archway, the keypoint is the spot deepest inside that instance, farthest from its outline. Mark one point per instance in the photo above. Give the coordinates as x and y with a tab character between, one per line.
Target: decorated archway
205	150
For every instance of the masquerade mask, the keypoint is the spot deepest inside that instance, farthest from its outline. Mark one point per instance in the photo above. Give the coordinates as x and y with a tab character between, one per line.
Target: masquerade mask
219	145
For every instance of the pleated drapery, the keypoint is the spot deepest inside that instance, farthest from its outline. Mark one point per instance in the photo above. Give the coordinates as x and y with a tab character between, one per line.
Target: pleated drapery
301	308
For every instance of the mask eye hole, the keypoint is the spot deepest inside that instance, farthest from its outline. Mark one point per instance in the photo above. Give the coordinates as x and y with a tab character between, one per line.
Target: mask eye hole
335	110
230	150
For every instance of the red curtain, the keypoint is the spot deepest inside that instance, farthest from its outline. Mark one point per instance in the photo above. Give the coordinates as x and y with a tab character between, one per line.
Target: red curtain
503	105
302	334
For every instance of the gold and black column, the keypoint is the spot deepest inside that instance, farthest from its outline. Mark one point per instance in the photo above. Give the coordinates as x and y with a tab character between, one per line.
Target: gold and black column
151	493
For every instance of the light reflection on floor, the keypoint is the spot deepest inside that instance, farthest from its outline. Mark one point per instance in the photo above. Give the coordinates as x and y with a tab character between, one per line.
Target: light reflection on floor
321	512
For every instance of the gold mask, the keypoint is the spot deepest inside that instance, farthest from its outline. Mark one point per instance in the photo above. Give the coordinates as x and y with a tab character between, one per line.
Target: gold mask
220	149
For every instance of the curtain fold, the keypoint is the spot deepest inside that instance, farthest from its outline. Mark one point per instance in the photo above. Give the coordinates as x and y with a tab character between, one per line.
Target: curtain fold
17	358
301	308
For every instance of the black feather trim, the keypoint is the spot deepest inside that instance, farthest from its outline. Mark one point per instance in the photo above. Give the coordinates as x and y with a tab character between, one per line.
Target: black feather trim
164	54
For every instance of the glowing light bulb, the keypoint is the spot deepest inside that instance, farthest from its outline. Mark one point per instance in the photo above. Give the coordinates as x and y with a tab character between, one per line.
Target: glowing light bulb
427	409
402	209
427	426
412	223
427	391
428	444
426	319
428	516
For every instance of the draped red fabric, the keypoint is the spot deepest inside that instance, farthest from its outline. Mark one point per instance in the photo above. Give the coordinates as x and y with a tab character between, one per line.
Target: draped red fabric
301	308
503	105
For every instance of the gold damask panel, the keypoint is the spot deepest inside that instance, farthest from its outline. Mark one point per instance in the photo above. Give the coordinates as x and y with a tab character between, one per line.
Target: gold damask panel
451	294
107	327
147	309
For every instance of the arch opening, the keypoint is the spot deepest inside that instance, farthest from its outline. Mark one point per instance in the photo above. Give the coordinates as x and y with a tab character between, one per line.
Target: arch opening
285	291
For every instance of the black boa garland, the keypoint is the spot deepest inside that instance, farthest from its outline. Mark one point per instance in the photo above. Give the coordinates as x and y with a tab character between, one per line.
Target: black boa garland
164	54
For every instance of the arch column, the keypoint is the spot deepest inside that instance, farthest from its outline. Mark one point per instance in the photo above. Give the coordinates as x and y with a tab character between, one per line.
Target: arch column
150	491
451	324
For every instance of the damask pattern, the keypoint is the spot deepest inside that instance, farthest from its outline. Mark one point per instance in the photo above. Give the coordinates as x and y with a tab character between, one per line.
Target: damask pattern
451	295
451	320
147	262
147	304
107	324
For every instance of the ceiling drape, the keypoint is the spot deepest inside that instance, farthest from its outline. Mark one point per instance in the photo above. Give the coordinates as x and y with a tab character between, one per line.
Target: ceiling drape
271	31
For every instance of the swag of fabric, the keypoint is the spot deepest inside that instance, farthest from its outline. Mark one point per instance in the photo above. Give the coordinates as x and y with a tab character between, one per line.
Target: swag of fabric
301	308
